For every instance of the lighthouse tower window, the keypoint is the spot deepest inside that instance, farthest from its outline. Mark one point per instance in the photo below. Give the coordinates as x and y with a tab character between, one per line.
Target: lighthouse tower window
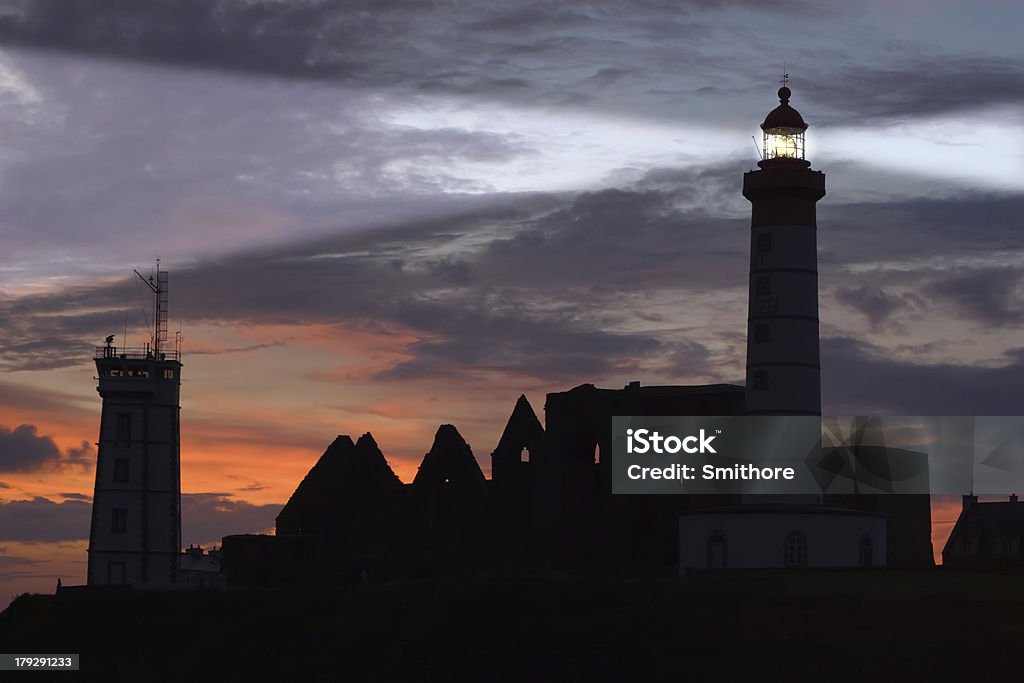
119	521
760	381
124	429
121	470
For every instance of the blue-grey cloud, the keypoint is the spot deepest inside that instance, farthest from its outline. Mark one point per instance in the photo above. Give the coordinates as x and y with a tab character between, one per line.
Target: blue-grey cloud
859	378
992	296
875	303
646	57
338	39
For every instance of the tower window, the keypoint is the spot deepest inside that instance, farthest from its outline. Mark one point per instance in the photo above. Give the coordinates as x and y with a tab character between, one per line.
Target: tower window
795	549
168	374
124	429
119	521
764	242
524	456
760	381
121	470
115	572
766	305
761	334
762	286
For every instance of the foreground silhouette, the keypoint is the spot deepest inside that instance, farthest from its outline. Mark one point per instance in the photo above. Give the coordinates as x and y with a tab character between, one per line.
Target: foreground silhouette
835	626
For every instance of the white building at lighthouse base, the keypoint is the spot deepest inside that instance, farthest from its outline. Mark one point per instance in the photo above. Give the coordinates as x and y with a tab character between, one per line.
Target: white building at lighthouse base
773	535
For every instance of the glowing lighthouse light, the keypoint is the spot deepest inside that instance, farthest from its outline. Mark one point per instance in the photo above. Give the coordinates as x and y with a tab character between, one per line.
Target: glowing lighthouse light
784	130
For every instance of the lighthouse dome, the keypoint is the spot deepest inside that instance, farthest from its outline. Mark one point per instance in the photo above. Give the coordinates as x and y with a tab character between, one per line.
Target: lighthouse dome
784	116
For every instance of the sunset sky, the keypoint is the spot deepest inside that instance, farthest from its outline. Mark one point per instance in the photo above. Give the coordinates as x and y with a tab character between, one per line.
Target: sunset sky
387	215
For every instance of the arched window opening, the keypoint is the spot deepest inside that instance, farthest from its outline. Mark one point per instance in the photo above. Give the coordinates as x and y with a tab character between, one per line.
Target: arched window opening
795	550
864	555
718	556
525	455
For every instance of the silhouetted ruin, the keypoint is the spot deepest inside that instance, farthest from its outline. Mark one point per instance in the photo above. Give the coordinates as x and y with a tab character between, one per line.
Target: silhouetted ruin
548	509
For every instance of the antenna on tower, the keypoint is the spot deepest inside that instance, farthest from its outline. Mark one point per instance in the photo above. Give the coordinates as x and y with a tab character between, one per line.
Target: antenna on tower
159	289
785	76
760	155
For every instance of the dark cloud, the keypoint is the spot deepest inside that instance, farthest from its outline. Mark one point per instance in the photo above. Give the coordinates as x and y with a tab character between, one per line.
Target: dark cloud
649	58
877	305
233	350
531	18
992	296
514	343
40	519
13	568
206	517
913	87
8	561
686	359
76	496
336	39
22	449
861	379
947	231
263	37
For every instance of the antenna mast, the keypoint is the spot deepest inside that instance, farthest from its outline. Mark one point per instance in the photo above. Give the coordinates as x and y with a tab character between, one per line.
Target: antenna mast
159	289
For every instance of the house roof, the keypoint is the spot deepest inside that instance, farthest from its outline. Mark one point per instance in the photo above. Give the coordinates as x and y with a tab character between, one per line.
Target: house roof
987	520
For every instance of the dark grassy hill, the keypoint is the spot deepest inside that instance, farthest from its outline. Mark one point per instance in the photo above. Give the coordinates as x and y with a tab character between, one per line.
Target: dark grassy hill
774	626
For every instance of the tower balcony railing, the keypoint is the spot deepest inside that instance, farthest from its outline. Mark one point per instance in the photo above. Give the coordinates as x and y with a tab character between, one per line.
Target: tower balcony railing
136	353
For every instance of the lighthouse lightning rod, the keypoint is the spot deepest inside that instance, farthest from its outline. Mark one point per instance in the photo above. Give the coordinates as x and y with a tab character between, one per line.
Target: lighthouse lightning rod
156	305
